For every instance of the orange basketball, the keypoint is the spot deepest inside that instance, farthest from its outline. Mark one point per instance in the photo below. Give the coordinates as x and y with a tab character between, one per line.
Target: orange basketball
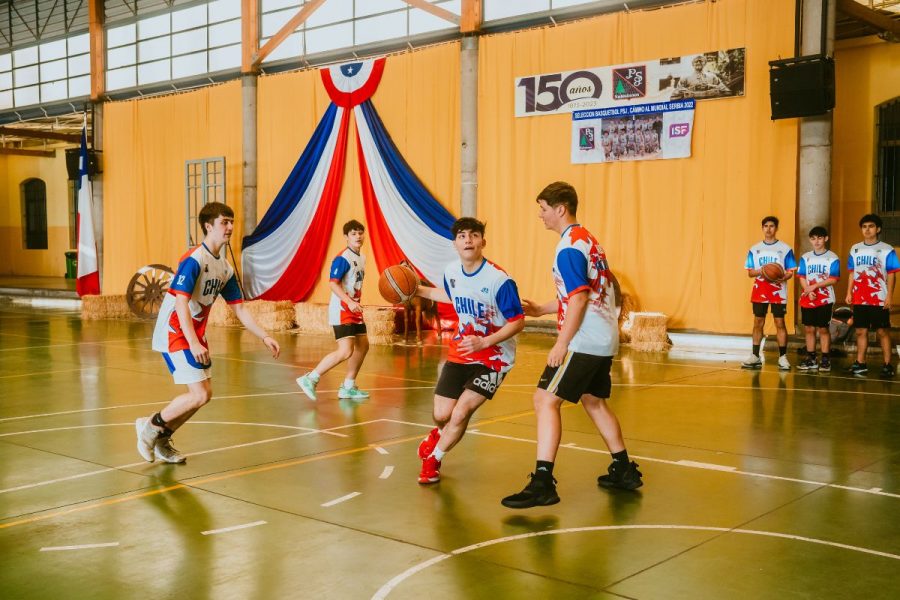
398	284
772	271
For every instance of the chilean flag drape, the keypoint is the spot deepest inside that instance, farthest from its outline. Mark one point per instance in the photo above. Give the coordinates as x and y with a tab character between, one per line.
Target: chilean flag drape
283	258
88	281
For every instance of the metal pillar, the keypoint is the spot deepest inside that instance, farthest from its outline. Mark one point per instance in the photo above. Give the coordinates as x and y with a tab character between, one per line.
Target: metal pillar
97	184
248	171
469	125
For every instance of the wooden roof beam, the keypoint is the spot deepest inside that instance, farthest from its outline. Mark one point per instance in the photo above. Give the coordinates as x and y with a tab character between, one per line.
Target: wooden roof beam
23	152
250	35
96	19
875	19
296	21
472	16
434	10
38	134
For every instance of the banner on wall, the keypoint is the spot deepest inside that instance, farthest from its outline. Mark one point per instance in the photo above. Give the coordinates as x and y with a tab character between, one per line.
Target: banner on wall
636	132
716	74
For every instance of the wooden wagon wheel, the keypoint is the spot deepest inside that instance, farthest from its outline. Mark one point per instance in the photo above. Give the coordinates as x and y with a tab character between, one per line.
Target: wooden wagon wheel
147	289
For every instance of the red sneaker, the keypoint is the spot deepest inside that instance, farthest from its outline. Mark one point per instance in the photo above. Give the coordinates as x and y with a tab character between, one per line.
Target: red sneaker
427	445
431	470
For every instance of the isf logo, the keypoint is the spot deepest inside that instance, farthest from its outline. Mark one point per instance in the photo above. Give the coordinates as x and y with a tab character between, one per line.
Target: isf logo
679	130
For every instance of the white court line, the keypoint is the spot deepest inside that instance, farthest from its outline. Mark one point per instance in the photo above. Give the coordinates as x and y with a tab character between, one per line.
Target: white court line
703	465
234	528
76	344
81	547
387	472
131	424
380	450
388	587
341	499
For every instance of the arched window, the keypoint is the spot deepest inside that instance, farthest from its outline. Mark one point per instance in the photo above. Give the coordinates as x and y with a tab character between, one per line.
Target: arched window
34	214
887	169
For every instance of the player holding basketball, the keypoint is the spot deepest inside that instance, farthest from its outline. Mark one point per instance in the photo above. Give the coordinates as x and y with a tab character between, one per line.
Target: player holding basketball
874	266
766	294
578	366
180	333
820	269
345	315
483	349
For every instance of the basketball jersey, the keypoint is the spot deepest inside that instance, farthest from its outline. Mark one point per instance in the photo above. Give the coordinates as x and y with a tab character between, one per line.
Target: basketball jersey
815	268
870	265
484	301
765	291
347	270
580	264
201	276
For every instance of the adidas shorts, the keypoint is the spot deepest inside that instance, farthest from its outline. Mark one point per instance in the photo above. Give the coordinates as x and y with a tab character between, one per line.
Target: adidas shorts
579	374
456	377
185	368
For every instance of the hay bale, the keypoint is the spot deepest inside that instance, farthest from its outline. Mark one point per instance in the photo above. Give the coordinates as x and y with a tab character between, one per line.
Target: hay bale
270	315
628	307
111	306
648	332
381	324
312	318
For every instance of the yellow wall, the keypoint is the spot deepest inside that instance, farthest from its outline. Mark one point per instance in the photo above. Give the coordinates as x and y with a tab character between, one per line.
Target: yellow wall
14	259
867	74
676	232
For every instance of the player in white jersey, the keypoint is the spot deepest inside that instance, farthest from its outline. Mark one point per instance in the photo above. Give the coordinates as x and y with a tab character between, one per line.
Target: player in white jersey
819	270
345	315
766	294
578	366
180	333
873	266
482	350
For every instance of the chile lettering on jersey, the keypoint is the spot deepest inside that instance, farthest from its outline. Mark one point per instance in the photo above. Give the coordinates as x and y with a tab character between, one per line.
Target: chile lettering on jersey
468	306
820	269
867	260
764	260
211	286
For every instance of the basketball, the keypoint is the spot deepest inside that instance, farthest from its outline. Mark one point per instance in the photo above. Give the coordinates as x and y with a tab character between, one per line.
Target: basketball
398	284
772	271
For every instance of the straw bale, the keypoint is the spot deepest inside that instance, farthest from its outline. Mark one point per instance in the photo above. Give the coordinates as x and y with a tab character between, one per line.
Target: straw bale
221	314
648	332
270	315
105	307
311	318
629	306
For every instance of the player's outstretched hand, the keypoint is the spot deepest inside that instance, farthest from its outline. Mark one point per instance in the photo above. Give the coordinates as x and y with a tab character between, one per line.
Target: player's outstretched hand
531	308
273	346
472	343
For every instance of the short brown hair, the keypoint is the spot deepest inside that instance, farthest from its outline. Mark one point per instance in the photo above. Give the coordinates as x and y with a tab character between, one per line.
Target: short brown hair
560	192
353	225
467	224
212	211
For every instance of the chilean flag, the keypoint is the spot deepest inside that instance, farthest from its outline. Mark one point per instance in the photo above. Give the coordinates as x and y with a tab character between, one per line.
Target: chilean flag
88	272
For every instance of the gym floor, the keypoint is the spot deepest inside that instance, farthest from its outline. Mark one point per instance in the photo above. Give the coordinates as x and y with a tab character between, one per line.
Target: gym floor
757	484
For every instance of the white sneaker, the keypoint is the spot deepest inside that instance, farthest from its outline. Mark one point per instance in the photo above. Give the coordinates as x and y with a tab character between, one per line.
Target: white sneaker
147	433
783	363
752	362
166	452
308	386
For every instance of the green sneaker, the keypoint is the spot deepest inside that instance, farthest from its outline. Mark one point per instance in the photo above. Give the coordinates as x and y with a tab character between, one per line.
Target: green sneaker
308	386
353	393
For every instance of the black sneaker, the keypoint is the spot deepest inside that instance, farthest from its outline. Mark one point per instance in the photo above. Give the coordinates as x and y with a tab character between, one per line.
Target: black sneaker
626	478
809	363
538	492
825	364
887	371
858	368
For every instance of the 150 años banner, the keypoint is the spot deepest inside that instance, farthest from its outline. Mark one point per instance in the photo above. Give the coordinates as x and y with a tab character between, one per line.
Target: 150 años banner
636	132
716	74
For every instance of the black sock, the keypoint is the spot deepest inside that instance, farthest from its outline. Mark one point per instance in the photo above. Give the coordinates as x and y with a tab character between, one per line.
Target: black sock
755	349
620	460
158	421
543	470
782	350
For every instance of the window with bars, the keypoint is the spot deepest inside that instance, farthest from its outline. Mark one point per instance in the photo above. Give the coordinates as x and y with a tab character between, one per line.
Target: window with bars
204	181
34	214
887	169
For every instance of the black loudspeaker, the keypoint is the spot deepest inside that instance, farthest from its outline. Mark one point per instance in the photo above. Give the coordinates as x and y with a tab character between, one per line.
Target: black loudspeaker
801	87
72	155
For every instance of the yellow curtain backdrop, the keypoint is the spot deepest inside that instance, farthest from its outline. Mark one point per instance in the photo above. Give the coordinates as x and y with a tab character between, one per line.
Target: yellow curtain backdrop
418	100
676	232
146	143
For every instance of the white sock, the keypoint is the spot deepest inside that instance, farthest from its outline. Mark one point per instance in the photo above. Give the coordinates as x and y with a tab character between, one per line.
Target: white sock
349	384
314	376
438	454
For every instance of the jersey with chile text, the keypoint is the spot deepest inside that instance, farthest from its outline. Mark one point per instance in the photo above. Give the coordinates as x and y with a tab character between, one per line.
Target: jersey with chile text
815	268
347	270
484	301
201	276
765	291
580	264
869	265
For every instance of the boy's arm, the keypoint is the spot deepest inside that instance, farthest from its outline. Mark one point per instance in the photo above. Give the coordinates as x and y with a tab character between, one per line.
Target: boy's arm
183	310
433	293
533	309
341	293
247	320
574	316
474	343
891	281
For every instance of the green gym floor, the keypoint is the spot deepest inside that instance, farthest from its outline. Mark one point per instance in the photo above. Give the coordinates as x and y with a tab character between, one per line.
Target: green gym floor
757	484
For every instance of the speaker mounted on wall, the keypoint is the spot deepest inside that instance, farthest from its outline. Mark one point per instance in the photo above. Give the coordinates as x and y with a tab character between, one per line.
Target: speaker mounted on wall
801	86
72	157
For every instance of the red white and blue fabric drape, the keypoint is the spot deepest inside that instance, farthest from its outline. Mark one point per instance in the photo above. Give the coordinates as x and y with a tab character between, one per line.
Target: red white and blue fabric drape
283	258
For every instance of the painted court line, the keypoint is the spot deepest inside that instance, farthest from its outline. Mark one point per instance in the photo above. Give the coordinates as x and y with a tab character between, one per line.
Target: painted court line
387	472
388	587
81	547
234	528
341	499
380	450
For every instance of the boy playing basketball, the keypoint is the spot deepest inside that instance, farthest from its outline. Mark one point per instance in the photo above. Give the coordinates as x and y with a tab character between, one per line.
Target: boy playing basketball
180	333
873	265
483	349
819	270
579	363
767	293
345	316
